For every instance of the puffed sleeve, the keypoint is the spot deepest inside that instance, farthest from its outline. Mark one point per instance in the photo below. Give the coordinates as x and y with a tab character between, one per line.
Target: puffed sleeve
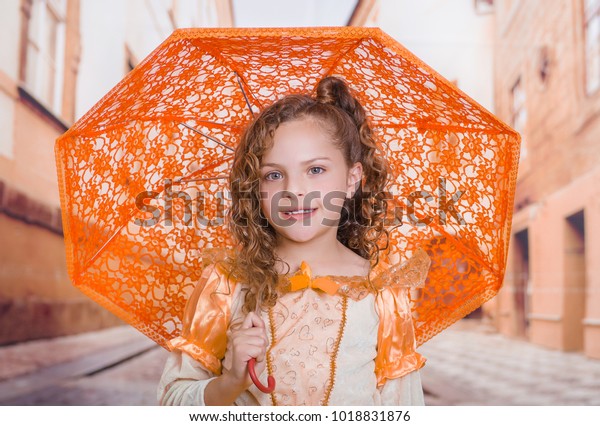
206	319
396	344
183	381
405	390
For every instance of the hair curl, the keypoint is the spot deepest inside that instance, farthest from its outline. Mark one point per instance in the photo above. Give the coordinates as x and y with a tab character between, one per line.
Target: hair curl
361	224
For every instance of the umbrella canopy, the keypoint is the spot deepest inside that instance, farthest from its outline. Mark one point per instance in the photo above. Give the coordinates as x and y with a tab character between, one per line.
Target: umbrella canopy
143	175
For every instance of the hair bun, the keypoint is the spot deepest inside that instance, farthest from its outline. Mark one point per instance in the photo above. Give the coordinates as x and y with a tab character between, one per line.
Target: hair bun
332	90
335	91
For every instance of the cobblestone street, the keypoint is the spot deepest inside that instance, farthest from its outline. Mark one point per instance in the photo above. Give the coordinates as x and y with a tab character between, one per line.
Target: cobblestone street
471	364
130	383
116	366
468	364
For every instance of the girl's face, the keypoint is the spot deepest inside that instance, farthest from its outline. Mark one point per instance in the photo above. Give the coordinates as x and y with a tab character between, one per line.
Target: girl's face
304	180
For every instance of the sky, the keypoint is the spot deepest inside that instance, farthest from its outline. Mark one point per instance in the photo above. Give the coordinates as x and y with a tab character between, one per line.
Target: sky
292	13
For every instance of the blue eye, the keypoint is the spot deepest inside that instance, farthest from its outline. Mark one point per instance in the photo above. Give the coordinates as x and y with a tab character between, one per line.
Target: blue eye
317	167
270	174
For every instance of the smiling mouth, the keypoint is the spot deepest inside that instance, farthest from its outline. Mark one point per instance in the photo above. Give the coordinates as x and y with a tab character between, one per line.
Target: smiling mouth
299	213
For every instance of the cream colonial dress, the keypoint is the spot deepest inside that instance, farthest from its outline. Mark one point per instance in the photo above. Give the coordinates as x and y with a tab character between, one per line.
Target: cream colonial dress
333	340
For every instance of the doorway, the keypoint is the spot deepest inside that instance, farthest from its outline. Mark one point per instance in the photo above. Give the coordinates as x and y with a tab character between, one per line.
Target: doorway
574	282
522	290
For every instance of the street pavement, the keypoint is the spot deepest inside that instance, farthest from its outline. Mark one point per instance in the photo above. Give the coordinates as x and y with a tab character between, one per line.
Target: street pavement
467	364
471	364
115	366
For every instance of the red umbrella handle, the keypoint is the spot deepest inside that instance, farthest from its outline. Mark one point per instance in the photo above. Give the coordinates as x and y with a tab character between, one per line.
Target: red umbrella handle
270	380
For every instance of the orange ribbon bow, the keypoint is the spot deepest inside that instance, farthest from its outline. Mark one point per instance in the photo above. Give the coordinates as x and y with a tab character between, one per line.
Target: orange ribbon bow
303	279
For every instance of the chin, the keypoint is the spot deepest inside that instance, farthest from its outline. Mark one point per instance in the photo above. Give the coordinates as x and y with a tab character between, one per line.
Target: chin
298	237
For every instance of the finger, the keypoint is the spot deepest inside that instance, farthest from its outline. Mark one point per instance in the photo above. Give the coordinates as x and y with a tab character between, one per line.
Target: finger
252	351
257	341
254	331
247	321
256	320
261	357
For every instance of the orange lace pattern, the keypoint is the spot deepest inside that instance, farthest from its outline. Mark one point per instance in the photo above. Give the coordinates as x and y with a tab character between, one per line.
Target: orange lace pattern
168	130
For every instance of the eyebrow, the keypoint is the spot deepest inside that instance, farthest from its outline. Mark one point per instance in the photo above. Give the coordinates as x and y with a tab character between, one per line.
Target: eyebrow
303	163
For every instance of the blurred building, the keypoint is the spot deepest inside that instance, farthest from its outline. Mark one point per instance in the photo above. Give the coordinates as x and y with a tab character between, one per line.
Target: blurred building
57	58
455	38
535	64
547	86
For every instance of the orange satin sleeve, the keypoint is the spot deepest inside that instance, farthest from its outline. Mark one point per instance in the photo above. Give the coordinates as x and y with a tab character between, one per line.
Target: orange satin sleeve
206	319
396	343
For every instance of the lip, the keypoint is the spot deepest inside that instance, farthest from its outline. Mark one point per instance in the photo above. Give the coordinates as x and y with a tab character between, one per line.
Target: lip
299	215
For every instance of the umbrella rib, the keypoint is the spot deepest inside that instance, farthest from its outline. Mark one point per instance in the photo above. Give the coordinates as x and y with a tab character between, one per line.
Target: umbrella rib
190	177
183	179
239	80
228	65
207	136
468	251
107	242
130	216
161	119
341	56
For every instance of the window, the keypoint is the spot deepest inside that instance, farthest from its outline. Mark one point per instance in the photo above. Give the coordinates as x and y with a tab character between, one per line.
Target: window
592	44
45	50
519	112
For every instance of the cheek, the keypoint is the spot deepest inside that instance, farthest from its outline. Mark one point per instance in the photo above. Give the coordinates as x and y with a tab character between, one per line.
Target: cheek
335	193
268	200
333	201
265	201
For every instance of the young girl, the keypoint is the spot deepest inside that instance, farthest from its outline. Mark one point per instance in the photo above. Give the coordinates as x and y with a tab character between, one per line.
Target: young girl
304	292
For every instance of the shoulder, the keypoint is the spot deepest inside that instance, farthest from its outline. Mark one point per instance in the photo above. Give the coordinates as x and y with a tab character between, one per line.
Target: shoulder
410	273
215	281
208	311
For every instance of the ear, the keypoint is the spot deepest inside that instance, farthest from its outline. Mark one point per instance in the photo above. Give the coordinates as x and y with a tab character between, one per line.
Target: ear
354	179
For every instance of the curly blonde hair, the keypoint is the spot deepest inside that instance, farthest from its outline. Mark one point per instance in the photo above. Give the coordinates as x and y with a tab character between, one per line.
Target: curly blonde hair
361	224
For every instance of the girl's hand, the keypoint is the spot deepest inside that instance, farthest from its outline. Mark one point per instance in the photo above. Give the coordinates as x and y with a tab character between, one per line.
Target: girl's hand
248	341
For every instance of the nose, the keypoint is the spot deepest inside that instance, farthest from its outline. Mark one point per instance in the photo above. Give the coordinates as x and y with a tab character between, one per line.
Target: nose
295	188
292	194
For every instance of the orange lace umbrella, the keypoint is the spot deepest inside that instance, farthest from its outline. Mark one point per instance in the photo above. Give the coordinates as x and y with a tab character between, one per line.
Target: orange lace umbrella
143	175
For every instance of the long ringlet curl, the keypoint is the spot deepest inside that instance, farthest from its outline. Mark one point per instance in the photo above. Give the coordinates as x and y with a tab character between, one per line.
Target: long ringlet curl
361	225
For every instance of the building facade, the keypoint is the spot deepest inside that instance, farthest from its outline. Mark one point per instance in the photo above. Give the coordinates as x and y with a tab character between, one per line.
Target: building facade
547	86
57	58
454	37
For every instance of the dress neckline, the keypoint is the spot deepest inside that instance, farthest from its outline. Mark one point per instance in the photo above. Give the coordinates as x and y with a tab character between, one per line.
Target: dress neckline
333	276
